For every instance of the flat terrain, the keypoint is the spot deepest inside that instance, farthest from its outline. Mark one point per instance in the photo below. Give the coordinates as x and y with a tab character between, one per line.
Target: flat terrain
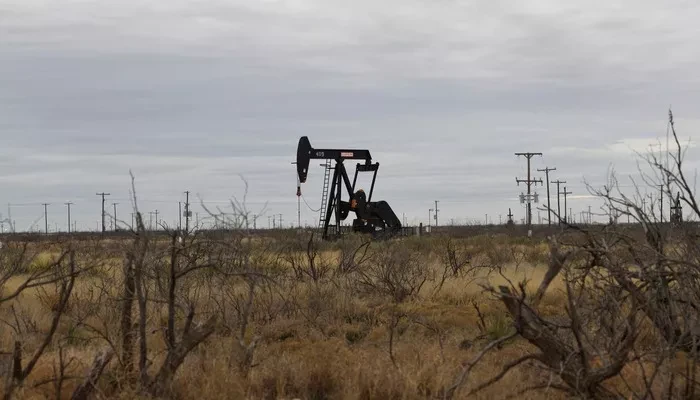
294	319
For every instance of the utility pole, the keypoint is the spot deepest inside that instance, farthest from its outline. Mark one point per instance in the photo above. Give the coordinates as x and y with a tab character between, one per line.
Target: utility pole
661	202
156	213
103	194
590	220
187	211
558	182
565	193
68	204
115	215
46	220
9	217
436	214
430	216
529	181
546	171
281	227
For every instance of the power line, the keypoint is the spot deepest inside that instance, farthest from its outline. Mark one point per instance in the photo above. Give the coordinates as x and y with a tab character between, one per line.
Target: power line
546	171
529	181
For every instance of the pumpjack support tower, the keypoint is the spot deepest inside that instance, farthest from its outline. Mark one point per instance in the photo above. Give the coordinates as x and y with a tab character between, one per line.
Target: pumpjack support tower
373	217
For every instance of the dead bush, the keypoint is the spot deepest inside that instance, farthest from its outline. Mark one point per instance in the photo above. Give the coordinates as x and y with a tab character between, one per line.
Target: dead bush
394	271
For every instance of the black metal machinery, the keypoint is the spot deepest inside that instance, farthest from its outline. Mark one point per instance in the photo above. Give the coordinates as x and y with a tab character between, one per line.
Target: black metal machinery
376	218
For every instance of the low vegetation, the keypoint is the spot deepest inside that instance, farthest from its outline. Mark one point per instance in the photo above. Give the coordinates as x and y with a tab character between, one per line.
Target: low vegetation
603	313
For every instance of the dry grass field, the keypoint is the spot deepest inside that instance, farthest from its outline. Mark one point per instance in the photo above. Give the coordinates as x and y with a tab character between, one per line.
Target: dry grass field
287	318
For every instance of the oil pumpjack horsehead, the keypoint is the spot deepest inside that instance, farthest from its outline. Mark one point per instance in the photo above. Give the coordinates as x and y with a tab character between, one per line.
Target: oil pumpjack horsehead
373	217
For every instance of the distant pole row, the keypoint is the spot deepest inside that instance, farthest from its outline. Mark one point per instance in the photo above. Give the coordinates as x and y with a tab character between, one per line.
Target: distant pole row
433	216
529	198
546	171
529	181
276	219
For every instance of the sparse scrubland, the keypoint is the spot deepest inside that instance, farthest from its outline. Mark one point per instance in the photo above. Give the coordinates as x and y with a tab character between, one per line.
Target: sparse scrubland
600	312
230	316
273	317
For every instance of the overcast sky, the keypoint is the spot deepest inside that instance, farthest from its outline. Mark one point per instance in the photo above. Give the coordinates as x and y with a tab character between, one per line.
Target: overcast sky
191	95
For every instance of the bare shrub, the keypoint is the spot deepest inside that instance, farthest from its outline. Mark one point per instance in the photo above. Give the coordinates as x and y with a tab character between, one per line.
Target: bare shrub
631	300
305	258
394	271
354	253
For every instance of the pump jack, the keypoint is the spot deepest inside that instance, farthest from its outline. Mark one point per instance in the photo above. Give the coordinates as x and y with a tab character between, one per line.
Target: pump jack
376	218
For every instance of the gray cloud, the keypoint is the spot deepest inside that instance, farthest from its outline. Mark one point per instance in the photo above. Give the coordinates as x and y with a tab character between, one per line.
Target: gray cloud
190	94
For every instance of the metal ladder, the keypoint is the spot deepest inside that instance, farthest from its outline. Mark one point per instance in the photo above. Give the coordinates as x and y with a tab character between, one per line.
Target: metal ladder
324	194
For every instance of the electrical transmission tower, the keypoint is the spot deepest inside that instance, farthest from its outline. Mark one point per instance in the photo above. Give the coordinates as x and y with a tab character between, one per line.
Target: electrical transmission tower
546	171
103	194
529	181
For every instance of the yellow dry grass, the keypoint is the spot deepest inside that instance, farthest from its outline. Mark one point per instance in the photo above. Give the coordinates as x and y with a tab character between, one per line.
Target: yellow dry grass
339	348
